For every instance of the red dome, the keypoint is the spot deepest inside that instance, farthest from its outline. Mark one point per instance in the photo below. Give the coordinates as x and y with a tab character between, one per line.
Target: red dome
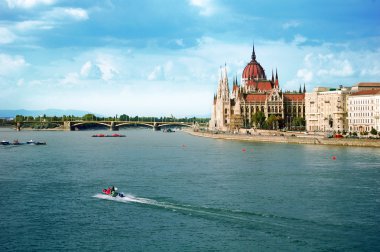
253	70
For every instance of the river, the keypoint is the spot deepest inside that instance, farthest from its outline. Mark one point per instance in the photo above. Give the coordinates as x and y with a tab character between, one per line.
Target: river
185	193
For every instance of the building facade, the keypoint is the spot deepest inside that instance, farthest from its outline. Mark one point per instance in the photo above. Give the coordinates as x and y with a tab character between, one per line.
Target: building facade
326	109
364	111
234	110
343	109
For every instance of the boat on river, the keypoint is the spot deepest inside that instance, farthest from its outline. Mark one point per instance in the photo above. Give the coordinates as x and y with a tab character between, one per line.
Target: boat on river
32	142
3	142
103	135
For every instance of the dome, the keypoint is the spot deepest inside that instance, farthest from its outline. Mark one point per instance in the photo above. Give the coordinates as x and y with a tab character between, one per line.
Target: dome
253	70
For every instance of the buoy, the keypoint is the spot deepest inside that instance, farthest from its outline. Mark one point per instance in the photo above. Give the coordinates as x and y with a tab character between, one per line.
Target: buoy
334	157
243	150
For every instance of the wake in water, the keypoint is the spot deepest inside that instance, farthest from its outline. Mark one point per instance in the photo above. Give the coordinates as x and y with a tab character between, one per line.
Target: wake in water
205	211
264	222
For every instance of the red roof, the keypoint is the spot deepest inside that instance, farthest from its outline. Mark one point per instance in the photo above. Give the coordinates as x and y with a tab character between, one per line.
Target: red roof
260	85
253	70
255	98
294	97
368	84
367	92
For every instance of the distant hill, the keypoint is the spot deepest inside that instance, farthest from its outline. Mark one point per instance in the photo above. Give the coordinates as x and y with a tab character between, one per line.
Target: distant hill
48	112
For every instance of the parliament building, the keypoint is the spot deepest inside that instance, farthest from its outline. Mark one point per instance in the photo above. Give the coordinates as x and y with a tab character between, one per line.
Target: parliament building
232	111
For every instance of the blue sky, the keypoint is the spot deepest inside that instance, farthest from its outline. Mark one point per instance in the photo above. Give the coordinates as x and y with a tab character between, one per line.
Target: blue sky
162	57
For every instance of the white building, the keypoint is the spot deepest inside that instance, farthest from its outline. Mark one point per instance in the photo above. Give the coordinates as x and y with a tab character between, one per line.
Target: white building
364	111
326	109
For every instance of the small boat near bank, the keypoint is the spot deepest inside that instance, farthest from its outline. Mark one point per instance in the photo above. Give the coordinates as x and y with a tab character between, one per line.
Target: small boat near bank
32	142
3	142
103	135
17	142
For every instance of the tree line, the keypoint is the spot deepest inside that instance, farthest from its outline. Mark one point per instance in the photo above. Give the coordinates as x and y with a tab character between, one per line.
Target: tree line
123	117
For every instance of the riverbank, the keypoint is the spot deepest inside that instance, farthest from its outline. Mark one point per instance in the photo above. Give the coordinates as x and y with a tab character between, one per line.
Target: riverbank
290	139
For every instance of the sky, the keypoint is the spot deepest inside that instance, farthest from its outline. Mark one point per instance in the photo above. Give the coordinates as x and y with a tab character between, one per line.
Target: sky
163	57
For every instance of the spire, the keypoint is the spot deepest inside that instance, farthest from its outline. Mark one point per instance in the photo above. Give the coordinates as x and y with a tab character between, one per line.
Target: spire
253	52
304	88
300	89
272	76
276	81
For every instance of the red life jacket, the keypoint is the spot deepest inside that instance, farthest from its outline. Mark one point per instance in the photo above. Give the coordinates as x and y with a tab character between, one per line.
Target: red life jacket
107	191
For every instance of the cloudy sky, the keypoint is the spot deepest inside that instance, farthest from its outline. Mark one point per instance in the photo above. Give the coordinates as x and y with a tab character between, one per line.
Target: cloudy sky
162	57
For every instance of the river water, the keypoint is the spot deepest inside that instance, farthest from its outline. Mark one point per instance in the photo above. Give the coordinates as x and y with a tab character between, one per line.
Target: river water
185	193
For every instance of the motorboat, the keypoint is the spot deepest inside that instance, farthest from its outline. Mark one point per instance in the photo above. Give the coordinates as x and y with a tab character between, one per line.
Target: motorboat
3	142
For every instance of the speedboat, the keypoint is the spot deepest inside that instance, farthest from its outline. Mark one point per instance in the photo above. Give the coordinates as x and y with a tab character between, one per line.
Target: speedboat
32	142
98	135
112	193
3	142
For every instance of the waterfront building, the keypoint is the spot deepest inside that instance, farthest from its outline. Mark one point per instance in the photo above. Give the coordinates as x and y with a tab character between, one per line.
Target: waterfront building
342	109
234	110
364	110
326	109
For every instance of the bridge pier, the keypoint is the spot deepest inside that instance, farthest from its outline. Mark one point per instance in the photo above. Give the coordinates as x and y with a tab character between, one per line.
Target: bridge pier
113	127
18	126
156	127
67	126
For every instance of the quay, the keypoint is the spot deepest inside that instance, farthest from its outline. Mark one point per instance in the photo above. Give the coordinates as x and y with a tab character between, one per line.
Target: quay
288	137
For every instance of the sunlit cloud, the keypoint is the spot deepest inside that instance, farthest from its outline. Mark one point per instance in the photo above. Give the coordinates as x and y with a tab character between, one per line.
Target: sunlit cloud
291	24
206	7
6	36
11	64
28	3
58	13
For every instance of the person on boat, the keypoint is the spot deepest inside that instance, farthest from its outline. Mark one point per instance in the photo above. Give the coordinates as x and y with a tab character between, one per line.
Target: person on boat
107	191
112	189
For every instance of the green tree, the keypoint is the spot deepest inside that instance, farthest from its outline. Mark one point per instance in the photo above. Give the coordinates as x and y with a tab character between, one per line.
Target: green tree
373	131
298	121
89	117
258	119
124	117
271	121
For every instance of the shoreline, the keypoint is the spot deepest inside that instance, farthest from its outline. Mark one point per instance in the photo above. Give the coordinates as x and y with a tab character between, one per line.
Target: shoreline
300	139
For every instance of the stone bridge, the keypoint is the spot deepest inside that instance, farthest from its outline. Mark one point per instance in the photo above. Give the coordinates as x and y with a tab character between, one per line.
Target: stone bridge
114	125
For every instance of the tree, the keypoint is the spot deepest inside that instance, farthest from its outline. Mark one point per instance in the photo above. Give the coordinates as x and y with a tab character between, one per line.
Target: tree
373	131
124	117
89	117
298	121
259	119
271	121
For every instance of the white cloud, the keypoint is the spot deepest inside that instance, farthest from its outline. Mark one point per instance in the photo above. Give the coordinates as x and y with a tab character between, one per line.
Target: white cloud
90	71
156	74
34	25
10	64
20	82
6	36
291	24
107	66
305	75
299	39
179	42
206	7
77	14
71	79
27	3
